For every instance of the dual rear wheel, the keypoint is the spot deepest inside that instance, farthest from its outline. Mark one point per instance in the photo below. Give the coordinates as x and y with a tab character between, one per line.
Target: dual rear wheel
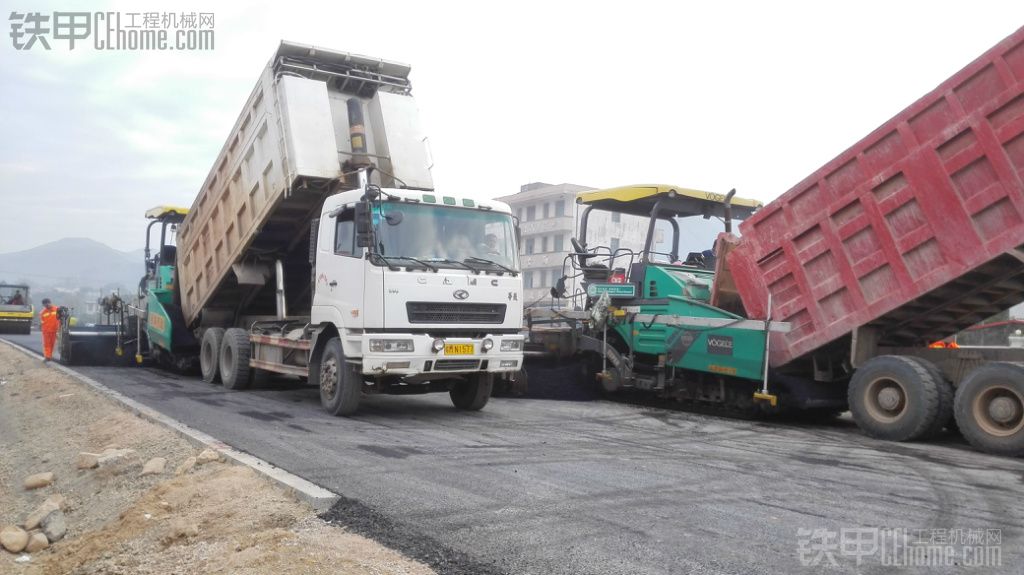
900	398
224	356
990	408
903	398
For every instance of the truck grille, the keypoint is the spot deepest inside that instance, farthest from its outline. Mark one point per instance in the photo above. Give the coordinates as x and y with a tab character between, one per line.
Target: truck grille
456	364
471	313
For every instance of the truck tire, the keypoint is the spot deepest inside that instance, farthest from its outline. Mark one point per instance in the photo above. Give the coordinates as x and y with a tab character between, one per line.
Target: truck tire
341	387
472	394
989	408
944	417
209	354
895	398
235	350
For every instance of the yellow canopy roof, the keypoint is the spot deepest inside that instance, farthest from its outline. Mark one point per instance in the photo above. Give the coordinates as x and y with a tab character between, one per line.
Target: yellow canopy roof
639	199
162	211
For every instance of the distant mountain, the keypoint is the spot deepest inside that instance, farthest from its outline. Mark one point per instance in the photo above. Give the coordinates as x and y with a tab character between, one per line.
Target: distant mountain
73	263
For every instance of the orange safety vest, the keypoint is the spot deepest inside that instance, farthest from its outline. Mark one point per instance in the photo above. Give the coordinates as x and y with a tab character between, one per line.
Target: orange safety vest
48	321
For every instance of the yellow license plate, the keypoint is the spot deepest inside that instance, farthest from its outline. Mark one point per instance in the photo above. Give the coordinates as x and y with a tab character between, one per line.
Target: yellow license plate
458	349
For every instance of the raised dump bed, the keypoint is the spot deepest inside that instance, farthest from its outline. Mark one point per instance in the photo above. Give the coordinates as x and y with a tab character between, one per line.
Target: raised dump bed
910	235
314	115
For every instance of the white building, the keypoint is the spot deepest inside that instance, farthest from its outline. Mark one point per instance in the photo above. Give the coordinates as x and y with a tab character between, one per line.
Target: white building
549	217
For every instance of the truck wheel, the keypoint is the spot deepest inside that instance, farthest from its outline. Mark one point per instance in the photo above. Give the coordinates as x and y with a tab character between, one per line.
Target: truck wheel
895	398
944	417
340	386
209	354
472	394
520	385
234	359
989	408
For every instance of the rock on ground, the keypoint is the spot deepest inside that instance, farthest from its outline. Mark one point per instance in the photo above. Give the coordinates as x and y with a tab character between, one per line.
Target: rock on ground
13	538
54	526
87	460
58	500
110	456
36	517
185	466
37	542
38	480
154	466
207	456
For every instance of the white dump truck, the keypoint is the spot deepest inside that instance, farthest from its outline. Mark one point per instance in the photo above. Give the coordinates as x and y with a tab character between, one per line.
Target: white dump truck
318	247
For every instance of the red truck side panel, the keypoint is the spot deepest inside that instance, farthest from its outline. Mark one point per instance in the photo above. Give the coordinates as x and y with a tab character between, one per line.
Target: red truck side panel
910	230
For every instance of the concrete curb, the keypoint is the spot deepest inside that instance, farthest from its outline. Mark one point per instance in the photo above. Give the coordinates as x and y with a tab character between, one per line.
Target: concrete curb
321	499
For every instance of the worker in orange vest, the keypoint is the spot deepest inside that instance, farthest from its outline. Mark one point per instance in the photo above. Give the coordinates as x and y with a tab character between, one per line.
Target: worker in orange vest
48	324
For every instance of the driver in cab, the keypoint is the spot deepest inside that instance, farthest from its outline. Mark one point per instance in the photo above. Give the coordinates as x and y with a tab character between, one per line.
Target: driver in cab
491	245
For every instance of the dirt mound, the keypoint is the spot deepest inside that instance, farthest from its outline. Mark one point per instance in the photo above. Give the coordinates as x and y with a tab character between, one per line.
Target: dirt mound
214	518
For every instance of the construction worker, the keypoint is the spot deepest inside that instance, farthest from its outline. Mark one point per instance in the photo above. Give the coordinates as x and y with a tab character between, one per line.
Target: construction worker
48	324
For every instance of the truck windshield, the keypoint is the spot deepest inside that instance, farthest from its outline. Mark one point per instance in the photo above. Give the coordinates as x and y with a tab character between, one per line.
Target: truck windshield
446	236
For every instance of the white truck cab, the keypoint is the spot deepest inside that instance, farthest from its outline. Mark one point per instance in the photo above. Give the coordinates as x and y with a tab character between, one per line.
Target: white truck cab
422	290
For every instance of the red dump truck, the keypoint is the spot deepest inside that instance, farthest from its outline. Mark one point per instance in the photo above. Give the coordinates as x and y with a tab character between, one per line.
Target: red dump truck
909	236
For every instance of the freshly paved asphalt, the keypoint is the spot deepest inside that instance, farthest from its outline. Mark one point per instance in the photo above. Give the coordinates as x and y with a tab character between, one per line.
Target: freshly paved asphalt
536	486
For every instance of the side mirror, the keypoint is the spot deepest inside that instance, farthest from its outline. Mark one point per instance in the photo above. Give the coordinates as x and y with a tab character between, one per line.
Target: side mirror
364	225
519	234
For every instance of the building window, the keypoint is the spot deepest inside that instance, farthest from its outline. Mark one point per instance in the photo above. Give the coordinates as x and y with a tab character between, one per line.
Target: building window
547	210
531	213
559	208
559	243
616	217
544	244
529	246
615	244
528	279
519	214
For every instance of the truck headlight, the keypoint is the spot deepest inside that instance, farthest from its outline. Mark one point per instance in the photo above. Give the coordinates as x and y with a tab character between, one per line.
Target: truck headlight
391	345
512	345
438	345
487	344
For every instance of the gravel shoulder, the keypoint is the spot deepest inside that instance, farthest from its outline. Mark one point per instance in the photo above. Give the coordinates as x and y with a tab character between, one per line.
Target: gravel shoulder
212	517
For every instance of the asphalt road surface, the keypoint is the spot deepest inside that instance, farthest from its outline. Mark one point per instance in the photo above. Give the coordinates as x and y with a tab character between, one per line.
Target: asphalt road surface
541	486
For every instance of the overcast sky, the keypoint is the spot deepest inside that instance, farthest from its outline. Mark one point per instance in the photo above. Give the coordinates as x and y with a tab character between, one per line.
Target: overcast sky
708	95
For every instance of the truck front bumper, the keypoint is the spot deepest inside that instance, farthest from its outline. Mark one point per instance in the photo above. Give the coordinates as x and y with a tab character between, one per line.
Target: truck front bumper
454	357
